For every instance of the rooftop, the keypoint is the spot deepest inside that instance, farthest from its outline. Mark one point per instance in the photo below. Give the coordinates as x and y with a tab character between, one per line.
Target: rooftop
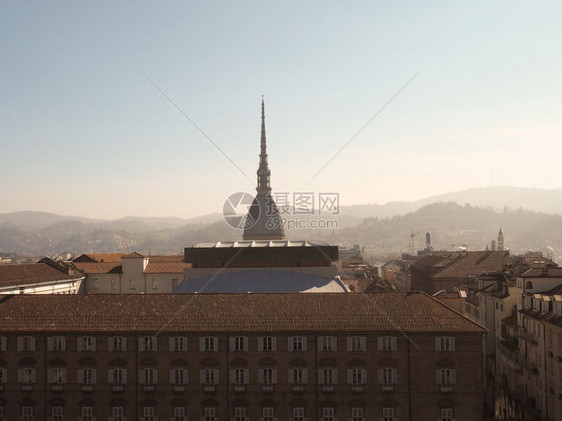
384	312
31	273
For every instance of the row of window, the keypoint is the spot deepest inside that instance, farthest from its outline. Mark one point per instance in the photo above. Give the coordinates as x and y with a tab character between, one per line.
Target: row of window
210	343
210	414
132	284
209	377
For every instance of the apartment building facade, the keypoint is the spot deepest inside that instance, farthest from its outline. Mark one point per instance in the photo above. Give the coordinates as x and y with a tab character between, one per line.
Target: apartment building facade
238	357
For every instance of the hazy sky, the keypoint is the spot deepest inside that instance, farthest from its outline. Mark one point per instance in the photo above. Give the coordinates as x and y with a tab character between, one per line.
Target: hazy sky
83	132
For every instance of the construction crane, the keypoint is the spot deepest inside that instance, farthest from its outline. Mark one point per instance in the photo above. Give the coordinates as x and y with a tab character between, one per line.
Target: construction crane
413	242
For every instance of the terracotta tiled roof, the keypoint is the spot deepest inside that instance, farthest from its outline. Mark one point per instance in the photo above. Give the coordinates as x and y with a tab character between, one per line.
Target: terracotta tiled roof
551	272
384	312
166	264
22	274
89	267
135	254
474	263
100	257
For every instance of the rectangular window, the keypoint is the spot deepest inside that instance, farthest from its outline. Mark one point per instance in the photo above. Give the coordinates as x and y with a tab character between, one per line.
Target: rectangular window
239	343
446	414
446	377
114	284
386	343
327	414
148	343
268	414
297	343
208	343
3	376
118	413
387	378
209	377
298	414
327	343
328	377
154	284
87	413
357	377
444	343
356	343
86	377
3	343
267	343
356	414
267	377
178	376
117	343
388	414
86	343
179	414
239	413
117	377
209	414
148	413
178	343
298	378
26	343
27	413
57	413
26	376
56	376
56	343
149	376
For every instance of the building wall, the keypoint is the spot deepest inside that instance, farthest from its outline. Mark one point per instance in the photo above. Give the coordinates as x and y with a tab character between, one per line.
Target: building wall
416	394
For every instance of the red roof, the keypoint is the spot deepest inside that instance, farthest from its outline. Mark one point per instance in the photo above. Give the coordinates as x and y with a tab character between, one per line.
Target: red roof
22	274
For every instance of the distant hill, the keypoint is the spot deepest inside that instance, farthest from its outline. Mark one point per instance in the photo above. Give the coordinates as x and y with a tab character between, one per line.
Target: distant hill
497	198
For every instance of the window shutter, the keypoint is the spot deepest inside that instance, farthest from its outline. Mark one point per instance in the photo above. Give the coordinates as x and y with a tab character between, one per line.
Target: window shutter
349	375
438	376
155	371
64	375
141	376
185	376
141	343
381	378
33	375
124	375
393	343
334	341
63	343
215	343
216	375
349	343
364	375
20	343
154	340
246	376
172	376
20	375
93	343
335	375
305	375
291	376
274	376
232	341
319	343
320	376
2	343
50	375
202	376
185	344
94	376
124	342
80	344
80	376
202	344
394	376
291	343
304	338
363	341
4	374
452	343
274	343
33	343
260	343
453	376
110	343
246	343
110	376
379	343
438	343
260	375
232	375
50	344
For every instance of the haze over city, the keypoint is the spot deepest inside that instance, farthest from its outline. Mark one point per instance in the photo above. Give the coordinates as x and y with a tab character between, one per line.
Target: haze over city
85	132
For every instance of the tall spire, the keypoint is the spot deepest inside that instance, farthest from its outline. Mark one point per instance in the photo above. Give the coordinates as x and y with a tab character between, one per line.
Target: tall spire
264	173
